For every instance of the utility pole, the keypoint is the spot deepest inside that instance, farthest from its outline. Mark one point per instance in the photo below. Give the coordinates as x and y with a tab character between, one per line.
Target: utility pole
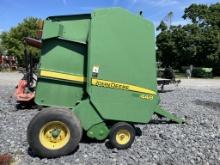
168	19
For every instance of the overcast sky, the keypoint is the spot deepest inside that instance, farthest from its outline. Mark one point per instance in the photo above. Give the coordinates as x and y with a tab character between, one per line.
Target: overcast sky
14	11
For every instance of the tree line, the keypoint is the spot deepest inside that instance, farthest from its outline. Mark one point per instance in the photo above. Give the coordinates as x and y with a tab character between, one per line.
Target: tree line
197	43
12	42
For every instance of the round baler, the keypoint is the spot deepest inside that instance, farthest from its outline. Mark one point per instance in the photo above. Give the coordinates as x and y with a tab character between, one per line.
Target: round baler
98	76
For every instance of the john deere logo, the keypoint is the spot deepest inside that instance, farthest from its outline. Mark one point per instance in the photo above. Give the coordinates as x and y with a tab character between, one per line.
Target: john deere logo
122	86
111	85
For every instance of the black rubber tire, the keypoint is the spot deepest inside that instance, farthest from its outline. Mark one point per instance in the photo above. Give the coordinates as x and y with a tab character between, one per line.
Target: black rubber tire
47	115
119	126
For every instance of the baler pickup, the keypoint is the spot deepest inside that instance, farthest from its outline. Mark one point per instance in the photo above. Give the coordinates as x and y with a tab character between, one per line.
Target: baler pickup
163	113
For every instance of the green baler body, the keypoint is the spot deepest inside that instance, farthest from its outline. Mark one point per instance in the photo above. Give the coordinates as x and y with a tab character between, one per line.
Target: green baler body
102	65
64	50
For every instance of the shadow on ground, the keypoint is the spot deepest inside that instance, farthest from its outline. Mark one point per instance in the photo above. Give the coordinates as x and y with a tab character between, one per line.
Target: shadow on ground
210	104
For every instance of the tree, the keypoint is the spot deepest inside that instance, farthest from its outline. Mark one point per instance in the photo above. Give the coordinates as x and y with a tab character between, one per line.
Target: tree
197	43
166	47
1	49
13	40
204	15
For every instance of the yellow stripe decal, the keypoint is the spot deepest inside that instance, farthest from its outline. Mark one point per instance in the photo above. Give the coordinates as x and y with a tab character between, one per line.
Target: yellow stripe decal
96	82
116	85
62	76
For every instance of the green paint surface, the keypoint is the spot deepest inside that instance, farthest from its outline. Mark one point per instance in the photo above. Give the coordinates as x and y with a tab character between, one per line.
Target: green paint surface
63	51
122	46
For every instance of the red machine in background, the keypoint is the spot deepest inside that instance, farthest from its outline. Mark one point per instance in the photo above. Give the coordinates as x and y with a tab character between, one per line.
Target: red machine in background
25	90
8	62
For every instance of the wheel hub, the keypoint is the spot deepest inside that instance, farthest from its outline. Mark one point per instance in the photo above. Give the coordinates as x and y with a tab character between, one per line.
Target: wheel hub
123	137
54	135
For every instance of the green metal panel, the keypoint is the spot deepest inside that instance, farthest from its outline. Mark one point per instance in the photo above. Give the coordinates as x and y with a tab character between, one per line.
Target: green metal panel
57	93
75	27
99	131
63	51
87	114
122	45
63	56
91	121
52	30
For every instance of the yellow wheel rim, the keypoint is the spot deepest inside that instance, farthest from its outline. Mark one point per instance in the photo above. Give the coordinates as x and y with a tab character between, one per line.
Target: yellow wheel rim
54	135
123	137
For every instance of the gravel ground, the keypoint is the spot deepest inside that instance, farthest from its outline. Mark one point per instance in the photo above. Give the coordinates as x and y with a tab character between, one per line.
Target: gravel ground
197	142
